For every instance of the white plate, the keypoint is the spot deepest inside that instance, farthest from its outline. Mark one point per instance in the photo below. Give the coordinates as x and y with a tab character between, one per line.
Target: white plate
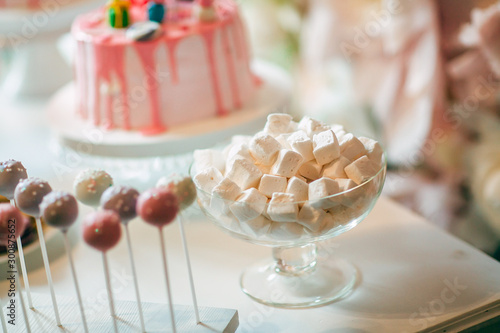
273	96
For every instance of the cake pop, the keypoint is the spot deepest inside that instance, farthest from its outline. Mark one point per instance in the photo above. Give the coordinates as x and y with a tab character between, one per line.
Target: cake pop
60	210
182	187
102	231
11	172
158	207
90	184
185	190
122	200
29	194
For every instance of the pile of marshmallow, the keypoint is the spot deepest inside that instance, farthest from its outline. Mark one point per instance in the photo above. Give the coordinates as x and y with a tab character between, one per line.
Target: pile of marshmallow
289	179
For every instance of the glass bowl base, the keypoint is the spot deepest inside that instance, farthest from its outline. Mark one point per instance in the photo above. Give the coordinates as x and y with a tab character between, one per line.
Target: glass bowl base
329	280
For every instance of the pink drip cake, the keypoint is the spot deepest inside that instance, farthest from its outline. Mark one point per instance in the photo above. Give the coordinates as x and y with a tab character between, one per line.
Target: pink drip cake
190	71
31	4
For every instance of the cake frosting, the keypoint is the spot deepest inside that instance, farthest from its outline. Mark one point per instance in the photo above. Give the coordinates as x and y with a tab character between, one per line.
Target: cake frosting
188	71
20	3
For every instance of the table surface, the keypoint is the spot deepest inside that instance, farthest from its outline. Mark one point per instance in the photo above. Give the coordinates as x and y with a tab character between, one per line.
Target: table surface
413	276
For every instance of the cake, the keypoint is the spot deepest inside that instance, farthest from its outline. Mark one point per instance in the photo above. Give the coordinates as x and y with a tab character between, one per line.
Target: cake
192	68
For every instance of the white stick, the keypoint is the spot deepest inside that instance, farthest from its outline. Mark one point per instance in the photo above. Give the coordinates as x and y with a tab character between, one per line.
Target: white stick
23	306
188	262
110	292
45	257
2	316
136	283
75	280
23	266
169	294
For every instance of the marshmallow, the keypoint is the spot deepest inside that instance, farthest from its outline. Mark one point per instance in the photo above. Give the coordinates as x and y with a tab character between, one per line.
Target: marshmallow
311	126
326	147
282	139
327	224
223	195
282	208
236	151
343	215
298	188
264	149
285	231
249	204
335	169
310	170
336	128
265	169
206	158
321	188
351	147
256	227
207	179
350	197
287	164
241	139
278	123
311	217
244	173
361	170
373	150
302	144
270	184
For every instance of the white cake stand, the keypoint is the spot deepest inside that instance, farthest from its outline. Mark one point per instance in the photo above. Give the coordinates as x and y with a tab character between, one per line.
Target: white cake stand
28	37
273	96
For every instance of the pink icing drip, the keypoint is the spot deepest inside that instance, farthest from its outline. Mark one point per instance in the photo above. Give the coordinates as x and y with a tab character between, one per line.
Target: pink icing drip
172	46
246	55
208	36
33	3
146	51
82	79
231	69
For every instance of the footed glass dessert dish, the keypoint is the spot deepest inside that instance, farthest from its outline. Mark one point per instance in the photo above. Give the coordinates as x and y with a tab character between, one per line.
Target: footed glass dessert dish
296	277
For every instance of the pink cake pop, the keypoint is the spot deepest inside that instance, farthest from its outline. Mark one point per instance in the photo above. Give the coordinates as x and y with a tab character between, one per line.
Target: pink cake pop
101	230
59	210
157	206
11	172
29	194
10	213
122	200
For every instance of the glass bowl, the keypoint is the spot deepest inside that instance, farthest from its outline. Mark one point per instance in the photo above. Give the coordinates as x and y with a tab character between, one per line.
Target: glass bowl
296	277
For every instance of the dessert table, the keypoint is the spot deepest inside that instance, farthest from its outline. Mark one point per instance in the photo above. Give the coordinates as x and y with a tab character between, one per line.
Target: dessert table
413	276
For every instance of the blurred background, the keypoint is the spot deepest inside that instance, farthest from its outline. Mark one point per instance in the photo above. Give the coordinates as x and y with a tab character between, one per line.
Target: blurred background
421	76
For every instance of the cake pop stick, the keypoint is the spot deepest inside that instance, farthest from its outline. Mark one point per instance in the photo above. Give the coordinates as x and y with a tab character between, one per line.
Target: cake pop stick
101	230
11	172
23	306
29	194
89	186
185	190
60	210
2	318
159	207
122	200
9	213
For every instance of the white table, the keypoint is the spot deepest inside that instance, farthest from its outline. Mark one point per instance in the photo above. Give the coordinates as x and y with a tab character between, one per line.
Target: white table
407	265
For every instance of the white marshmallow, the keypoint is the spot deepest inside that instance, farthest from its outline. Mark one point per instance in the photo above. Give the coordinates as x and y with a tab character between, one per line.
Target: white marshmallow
244	173
335	169
249	204
265	169
282	208
223	195
299	188
302	144
207	179
287	164
241	139
237	151
361	170
336	128
285	231
310	170
321	188
373	150
256	227
206	158
278	123
326	147
264	149
351	147
282	139
342	215
270	184
311	126
350	197
327	224
311	217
